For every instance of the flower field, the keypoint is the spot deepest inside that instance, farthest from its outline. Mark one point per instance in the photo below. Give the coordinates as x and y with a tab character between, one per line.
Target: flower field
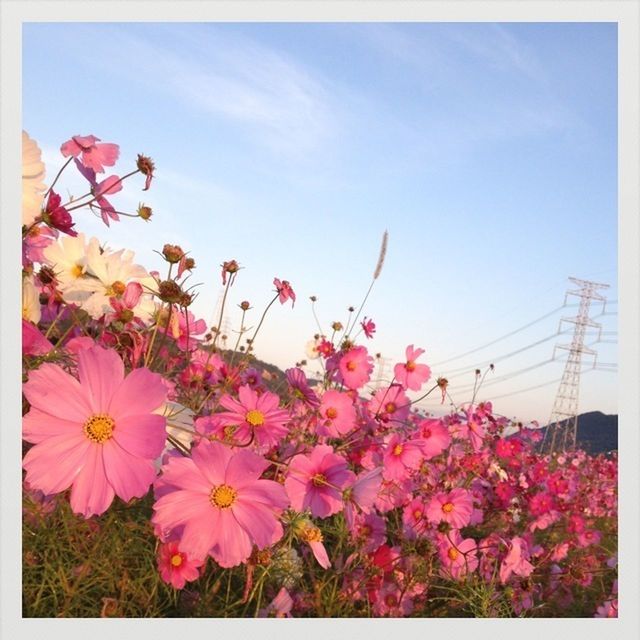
166	475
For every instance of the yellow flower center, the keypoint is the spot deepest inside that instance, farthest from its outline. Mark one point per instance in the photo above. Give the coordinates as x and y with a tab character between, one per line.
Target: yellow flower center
331	413
417	514
76	270
116	289
447	507
223	496
319	480
176	559
390	407
397	450
229	431
99	428
351	365
311	534
255	418
410	366
453	553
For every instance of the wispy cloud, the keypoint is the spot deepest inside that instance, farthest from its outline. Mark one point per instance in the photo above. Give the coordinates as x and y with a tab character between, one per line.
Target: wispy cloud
278	101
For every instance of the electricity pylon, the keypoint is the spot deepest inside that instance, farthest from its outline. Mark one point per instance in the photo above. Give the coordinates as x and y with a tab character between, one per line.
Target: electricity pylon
560	434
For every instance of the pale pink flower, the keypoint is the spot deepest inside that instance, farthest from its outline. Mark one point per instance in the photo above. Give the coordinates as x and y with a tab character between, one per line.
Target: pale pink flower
355	367
316	481
97	435
177	567
313	537
94	155
217	495
409	374
454	507
108	186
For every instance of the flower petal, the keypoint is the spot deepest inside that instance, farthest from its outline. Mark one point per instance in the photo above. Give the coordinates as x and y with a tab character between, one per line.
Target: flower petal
55	392
54	464
91	492
144	436
140	392
38	425
129	475
100	371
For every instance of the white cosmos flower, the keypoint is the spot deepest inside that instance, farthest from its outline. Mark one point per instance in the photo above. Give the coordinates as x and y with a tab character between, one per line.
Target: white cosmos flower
107	275
30	300
311	349
33	187
68	259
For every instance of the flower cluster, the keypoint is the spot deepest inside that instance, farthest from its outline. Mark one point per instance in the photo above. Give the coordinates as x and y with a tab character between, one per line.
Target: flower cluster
292	477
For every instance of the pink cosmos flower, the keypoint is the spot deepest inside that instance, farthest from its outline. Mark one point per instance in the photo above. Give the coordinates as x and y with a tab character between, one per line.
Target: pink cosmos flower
409	374
607	610
56	216
370	531
285	292
300	387
355	367
434	437
313	537
217	495
369	327
280	606
362	494
108	186
177	567
316	481
123	307
516	560
338	412
254	418
390	404
33	342
96	434
458	556
400	457
454	507
414	519
94	155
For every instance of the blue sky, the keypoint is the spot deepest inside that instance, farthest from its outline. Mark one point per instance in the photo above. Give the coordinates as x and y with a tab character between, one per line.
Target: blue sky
488	151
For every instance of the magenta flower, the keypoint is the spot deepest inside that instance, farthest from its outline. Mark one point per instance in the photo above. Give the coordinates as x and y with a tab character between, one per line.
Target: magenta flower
454	507
94	155
177	567
285	292
57	216
316	482
33	342
459	557
516	561
254	418
217	495
355	367
369	327
338	412
98	434
300	387
409	374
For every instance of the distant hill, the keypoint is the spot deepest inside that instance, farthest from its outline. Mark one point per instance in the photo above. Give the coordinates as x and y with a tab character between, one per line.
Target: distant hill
597	432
